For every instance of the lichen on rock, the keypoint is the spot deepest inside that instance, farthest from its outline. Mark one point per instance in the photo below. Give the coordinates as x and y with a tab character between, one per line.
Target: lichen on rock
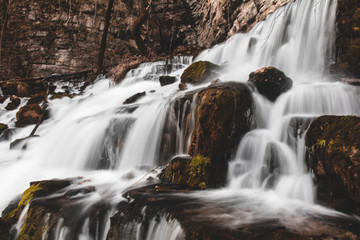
200	72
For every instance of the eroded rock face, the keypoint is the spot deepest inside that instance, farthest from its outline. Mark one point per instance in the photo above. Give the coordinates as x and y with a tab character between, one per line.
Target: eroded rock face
29	114
200	72
333	147
270	82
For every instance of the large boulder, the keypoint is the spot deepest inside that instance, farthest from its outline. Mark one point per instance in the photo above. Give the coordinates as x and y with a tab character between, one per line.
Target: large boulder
270	82
29	114
223	114
200	72
333	148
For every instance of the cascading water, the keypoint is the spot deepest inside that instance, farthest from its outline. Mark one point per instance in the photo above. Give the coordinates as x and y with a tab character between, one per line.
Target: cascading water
114	145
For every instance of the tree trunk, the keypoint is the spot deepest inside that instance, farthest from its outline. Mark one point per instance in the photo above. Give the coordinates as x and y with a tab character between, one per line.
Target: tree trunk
100	61
136	29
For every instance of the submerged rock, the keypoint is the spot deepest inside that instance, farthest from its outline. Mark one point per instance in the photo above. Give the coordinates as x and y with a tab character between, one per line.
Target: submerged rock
333	148
200	72
134	98
29	114
270	82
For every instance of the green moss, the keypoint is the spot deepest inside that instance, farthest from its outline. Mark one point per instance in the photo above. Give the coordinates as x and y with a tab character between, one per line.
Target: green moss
27	196
34	225
198	172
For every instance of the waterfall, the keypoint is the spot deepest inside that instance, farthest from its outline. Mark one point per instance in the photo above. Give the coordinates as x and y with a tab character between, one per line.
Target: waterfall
114	145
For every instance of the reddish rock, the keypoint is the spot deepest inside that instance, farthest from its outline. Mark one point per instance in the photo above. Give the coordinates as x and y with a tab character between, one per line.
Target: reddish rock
29	114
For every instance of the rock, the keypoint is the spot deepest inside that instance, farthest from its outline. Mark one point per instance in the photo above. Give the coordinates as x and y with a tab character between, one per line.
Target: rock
348	38
60	96
4	229
2	99
134	98
54	200
200	72
3	127
29	114
351	81
36	189
223	114
15	102
270	82
182	86
6	134
333	149
166	80
37	98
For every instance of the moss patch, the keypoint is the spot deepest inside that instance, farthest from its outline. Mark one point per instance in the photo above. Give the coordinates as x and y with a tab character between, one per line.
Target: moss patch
198	171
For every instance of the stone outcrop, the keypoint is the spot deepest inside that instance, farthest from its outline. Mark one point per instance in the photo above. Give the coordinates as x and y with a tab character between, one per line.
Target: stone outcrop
270	82
333	147
166	80
223	114
348	37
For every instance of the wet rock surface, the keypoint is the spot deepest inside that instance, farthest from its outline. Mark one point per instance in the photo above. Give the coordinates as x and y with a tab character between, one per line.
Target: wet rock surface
201	219
134	98
333	145
270	82
54	204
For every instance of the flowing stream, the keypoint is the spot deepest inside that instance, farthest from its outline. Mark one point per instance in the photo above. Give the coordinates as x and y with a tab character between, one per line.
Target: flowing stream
113	145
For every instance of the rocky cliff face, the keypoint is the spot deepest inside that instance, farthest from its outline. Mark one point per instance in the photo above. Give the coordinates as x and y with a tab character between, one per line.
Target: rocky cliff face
40	38
348	37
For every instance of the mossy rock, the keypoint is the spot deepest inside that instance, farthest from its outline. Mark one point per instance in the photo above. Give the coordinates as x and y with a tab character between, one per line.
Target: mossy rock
36	189
192	173
333	149
200	72
223	115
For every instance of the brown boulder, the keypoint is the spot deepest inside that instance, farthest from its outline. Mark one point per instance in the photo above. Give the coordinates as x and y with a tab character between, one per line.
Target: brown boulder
223	114
200	72
270	82
29	114
333	148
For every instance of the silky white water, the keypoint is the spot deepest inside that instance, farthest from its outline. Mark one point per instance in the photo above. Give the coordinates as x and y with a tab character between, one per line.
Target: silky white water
96	136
